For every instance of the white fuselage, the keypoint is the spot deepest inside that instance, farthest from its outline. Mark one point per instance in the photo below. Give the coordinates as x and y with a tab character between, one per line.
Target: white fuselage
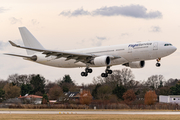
126	52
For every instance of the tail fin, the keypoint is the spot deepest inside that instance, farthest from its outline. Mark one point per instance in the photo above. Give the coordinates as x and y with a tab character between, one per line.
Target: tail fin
29	40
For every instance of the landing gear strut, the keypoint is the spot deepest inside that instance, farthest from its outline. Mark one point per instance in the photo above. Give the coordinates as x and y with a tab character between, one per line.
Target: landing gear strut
107	71
158	64
87	70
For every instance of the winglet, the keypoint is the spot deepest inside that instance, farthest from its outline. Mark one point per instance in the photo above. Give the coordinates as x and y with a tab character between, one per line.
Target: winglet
13	44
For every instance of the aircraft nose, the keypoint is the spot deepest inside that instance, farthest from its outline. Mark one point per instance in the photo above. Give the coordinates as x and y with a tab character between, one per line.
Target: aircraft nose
173	49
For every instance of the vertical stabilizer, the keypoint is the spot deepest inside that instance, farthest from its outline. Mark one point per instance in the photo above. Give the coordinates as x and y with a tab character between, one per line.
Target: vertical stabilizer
29	40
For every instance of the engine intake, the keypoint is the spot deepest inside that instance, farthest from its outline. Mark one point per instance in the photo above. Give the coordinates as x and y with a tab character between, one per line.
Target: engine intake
101	61
137	64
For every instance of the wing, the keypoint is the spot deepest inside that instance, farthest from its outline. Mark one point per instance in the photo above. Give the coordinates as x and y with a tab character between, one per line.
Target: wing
83	57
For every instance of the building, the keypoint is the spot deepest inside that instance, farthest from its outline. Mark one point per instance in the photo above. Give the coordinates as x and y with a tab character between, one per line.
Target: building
31	99
73	96
169	99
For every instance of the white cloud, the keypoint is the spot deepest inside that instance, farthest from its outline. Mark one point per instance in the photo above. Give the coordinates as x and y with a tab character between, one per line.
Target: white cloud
34	22
97	41
78	12
2	10
3	45
101	38
125	34
136	11
14	20
155	29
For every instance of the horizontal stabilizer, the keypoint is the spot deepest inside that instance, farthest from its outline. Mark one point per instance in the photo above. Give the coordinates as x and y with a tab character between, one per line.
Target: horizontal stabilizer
34	58
17	55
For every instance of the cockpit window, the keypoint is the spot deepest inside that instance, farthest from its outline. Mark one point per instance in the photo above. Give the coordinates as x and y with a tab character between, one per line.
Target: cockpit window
167	44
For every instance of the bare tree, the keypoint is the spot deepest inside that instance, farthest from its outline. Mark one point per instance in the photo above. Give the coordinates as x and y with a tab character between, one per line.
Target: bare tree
155	81
98	80
18	79
121	77
126	75
171	82
132	84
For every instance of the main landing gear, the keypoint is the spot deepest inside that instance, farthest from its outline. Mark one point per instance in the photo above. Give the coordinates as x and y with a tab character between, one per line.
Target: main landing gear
87	70
107	71
158	64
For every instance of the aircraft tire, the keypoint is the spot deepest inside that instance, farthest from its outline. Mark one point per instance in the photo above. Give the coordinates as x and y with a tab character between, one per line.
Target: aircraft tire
158	64
104	75
90	70
84	74
109	71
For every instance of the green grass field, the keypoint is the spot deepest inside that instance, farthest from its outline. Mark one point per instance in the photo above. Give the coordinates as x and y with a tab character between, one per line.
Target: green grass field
87	117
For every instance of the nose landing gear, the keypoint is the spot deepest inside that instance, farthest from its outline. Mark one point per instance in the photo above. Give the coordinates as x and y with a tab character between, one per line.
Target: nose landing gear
158	64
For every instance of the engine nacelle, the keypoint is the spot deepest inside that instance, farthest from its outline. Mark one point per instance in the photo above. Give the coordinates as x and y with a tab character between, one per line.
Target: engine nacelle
101	61
39	58
137	64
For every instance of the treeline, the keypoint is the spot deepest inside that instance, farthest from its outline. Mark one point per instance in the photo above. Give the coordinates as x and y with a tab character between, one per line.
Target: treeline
20	85
118	87
122	86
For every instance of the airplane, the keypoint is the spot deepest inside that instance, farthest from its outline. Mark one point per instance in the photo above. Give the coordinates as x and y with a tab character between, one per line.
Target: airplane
131	55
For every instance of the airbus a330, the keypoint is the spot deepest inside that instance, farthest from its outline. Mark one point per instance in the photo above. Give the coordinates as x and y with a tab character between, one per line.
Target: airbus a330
132	55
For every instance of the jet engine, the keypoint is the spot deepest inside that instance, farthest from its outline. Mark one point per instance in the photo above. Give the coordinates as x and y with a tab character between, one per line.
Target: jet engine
38	58
137	64
101	61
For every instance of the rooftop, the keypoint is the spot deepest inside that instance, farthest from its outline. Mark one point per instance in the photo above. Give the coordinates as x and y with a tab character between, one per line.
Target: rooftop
31	96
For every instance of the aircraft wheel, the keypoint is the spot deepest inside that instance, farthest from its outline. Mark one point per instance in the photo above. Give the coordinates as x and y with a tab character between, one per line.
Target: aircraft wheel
82	73
90	70
104	75
158	64
86	74
109	71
